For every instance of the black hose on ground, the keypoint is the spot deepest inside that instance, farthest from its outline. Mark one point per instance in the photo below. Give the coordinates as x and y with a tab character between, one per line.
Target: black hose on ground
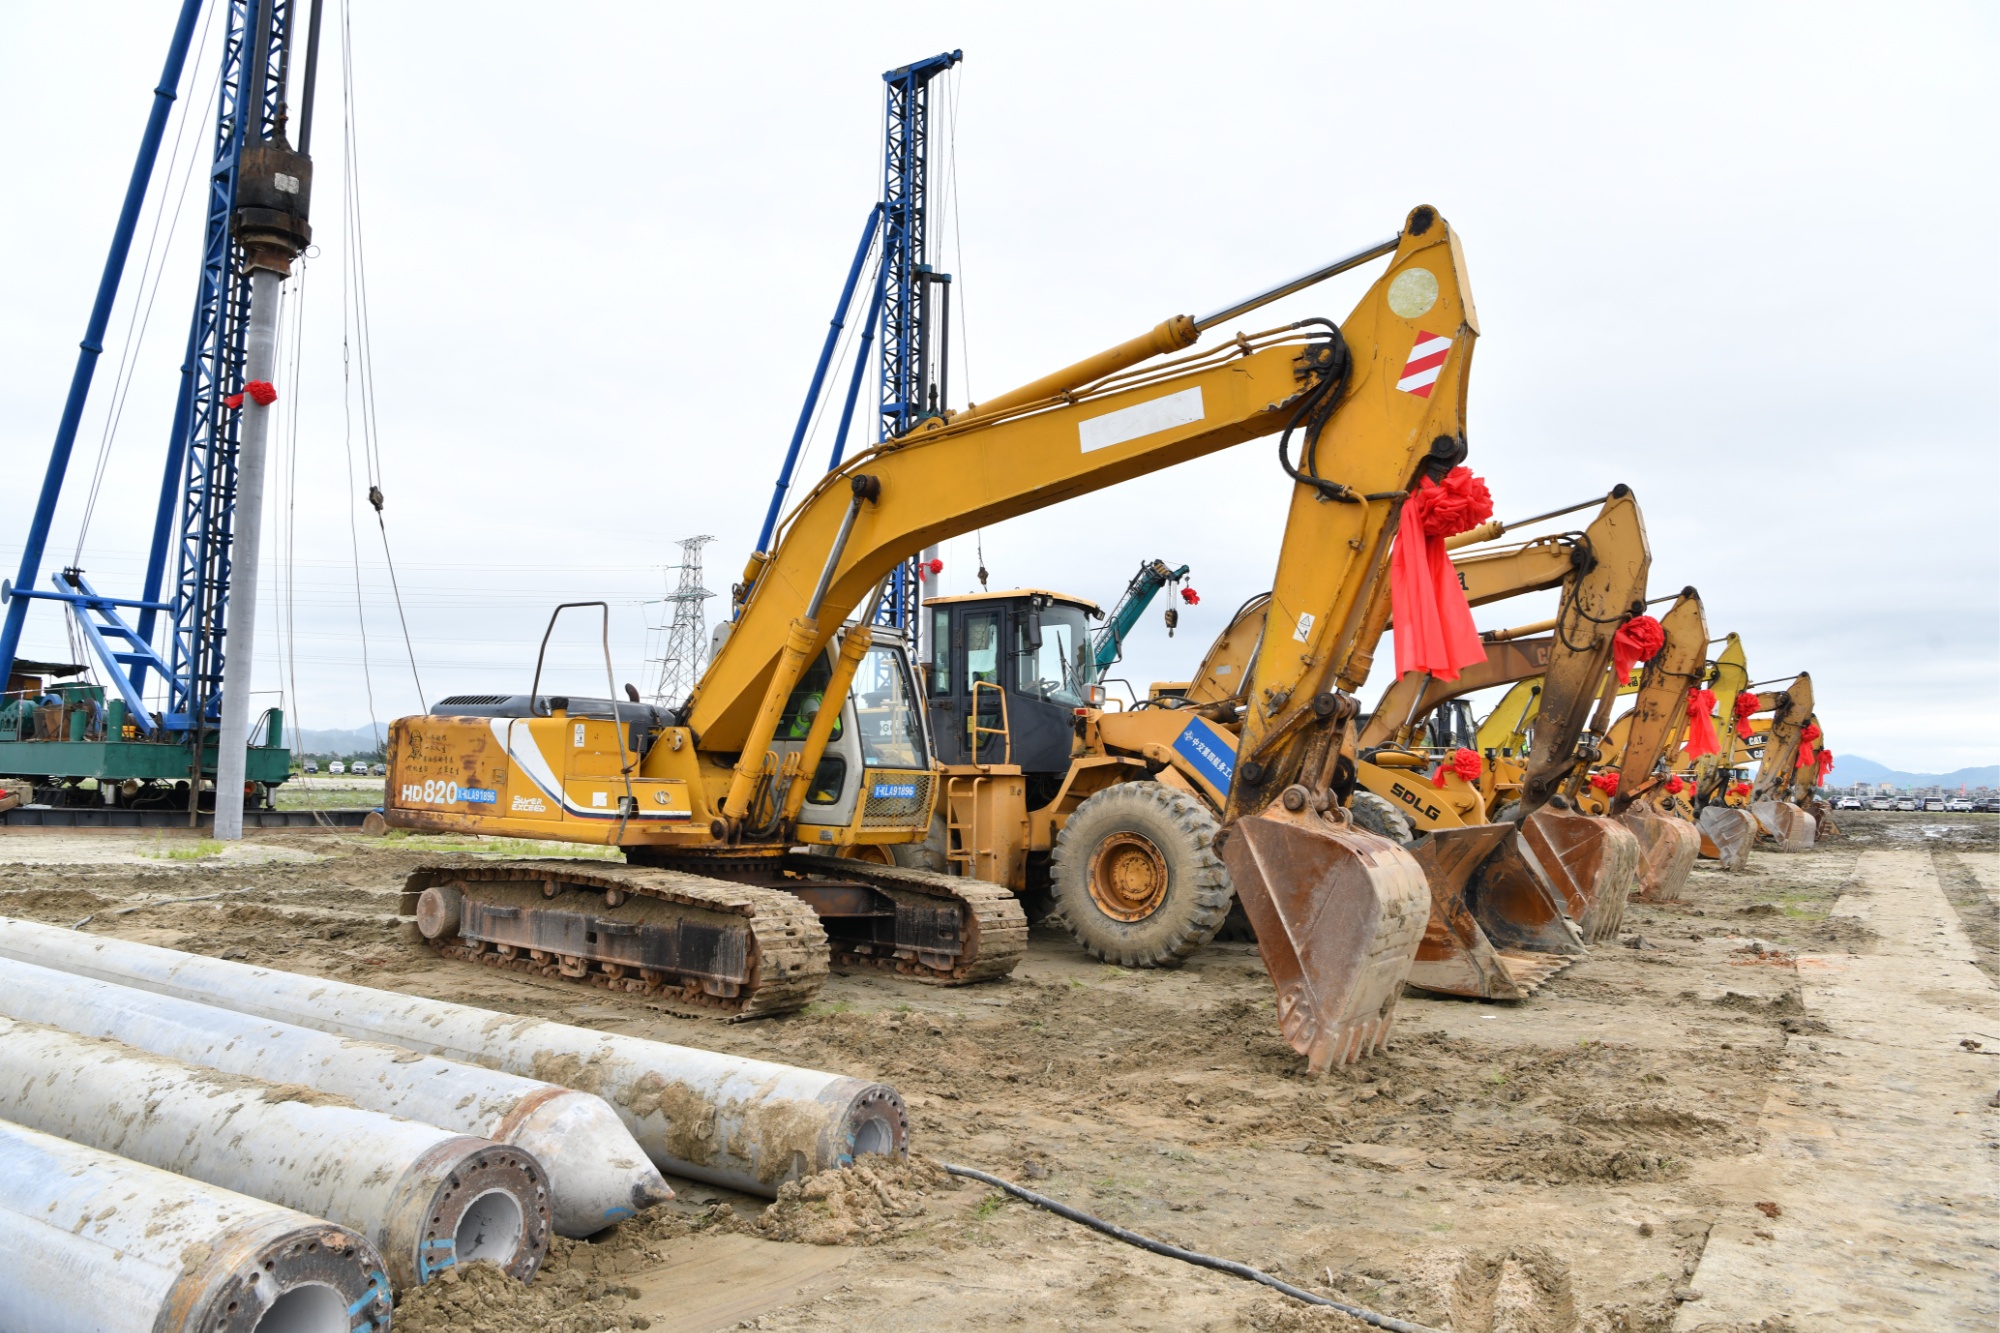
1229	1266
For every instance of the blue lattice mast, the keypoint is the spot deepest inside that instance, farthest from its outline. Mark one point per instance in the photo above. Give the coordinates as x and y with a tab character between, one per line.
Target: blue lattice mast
913	364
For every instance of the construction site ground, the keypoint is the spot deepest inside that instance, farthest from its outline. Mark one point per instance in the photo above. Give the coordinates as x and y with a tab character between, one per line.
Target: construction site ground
1771	1106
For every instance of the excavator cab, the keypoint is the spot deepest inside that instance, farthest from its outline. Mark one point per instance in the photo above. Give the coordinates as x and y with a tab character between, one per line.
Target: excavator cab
877	742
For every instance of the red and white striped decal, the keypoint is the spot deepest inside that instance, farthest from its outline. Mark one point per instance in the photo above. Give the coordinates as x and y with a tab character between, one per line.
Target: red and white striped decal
1426	360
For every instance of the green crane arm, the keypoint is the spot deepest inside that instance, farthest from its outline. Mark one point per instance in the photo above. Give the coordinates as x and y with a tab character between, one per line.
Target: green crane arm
1109	642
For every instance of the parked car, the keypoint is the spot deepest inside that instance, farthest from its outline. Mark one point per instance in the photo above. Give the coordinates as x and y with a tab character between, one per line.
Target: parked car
1908	803
1958	805
336	768
1881	803
312	765
1934	803
1988	806
378	770
1848	803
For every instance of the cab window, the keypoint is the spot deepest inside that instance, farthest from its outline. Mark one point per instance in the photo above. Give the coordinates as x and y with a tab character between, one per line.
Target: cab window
803	706
891	728
940	673
982	647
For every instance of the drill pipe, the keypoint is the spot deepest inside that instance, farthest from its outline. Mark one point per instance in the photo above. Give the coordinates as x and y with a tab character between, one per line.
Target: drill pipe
425	1197
747	1125
597	1174
99	1244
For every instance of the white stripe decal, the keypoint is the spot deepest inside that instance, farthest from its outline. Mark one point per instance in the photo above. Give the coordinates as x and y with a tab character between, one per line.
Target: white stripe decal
1149	418
1424	349
1420	379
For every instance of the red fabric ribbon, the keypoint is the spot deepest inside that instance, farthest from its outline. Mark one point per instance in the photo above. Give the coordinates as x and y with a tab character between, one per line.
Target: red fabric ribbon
1636	641
264	393
1675	786
1190	596
1605	782
1825	762
1465	763
935	566
1701	724
1739	789
1746	704
1434	629
1808	739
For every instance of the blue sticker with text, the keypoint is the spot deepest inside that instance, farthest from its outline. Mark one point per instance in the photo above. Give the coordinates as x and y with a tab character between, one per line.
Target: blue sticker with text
1212	755
891	790
478	795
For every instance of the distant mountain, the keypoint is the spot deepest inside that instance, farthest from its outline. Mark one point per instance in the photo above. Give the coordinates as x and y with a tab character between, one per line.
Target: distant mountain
1849	769
354	740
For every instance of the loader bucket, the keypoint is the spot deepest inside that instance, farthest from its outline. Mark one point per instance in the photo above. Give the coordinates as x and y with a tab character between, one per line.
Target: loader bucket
1787	825
1593	861
1456	957
1338	915
1726	834
1667	851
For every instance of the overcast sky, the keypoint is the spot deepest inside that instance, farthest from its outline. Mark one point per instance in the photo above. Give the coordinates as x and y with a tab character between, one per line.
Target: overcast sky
1739	257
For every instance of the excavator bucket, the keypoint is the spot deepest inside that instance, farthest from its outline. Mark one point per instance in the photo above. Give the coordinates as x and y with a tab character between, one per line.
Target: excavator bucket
1726	834
1592	860
1338	915
1667	851
1790	827
1457	956
1518	906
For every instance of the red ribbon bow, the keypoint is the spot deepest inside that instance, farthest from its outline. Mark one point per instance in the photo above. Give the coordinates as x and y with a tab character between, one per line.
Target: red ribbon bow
1701	724
1746	704
1636	641
1465	763
1605	782
1675	786
935	566
1825	763
1739	789
1434	629
263	393
1190	596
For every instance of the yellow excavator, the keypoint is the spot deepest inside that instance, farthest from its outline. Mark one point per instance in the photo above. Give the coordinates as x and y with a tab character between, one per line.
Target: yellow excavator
709	801
1786	823
1725	827
1640	747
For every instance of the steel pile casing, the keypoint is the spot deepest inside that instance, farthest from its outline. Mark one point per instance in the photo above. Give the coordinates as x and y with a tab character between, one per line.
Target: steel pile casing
410	1188
95	1243
597	1174
744	1124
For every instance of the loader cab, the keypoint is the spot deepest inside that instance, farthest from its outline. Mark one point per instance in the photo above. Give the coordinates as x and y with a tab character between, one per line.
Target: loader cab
1451	727
1008	672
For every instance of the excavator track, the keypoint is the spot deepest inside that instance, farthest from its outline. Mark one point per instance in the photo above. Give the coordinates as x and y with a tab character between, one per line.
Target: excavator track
711	946
993	926
918	924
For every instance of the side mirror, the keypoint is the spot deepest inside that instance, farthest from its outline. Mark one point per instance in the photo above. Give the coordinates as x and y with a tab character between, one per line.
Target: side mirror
1034	630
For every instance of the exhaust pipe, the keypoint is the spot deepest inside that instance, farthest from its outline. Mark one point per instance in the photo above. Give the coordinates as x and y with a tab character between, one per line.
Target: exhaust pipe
99	1244
426	1198
597	1174
748	1125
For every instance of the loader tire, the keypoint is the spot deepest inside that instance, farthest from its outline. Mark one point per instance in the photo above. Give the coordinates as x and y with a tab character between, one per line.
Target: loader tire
930	854
1137	880
1375	814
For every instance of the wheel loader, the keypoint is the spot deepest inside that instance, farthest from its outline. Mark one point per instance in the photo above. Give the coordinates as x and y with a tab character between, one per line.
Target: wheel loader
715	803
1104	816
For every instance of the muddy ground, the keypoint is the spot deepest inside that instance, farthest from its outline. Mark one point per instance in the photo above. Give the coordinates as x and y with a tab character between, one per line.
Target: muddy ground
1552	1165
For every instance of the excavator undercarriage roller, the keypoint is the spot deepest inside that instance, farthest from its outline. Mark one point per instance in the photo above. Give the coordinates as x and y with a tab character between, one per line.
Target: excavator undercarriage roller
1338	914
1667	851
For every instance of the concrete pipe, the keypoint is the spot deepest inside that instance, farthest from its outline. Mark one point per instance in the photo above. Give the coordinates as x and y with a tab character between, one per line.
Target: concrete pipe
95	1243
747	1125
597	1174
425	1197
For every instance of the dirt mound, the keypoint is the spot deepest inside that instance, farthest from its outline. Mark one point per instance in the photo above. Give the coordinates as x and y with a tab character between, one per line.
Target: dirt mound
1278	1315
876	1199
482	1297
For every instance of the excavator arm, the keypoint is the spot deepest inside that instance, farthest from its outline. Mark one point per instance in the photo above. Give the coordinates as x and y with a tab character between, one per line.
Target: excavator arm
1659	713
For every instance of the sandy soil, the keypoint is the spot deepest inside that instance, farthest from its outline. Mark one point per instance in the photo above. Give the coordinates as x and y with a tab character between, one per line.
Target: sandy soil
1559	1164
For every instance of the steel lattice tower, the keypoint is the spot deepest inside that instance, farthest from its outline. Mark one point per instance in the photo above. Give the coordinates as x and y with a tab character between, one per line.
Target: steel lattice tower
685	652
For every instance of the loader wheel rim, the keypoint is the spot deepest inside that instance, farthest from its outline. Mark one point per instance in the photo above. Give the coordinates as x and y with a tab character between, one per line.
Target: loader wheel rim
1128	877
